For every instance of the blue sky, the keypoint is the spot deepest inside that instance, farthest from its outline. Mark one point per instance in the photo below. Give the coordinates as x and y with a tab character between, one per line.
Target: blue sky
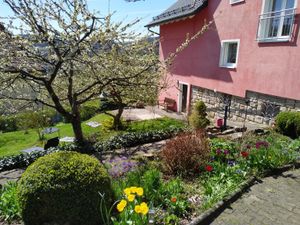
124	11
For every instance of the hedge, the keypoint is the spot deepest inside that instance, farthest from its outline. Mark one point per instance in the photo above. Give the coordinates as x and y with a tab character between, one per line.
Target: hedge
119	141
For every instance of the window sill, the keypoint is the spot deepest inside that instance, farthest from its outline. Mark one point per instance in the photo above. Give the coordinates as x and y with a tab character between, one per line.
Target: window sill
228	66
273	40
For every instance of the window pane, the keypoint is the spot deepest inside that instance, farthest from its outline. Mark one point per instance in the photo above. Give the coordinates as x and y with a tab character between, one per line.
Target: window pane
287	25
273	27
232	51
277	5
290	4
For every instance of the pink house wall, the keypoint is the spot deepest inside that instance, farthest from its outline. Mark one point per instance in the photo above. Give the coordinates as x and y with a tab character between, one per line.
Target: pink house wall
268	68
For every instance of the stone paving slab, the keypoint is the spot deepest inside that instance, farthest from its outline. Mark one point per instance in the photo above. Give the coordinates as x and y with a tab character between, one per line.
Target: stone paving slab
10	175
273	201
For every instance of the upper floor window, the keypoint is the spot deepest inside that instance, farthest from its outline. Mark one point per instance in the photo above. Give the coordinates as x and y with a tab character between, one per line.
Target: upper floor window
229	53
276	21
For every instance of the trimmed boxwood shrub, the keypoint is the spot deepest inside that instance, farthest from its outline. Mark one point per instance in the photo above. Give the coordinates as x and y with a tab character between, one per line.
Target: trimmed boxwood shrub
288	123
63	188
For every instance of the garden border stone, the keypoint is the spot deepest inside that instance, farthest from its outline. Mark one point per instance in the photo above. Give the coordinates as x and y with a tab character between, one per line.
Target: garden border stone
209	215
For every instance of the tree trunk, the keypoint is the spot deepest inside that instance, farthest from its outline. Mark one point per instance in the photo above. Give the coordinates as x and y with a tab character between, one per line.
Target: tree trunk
117	118
76	125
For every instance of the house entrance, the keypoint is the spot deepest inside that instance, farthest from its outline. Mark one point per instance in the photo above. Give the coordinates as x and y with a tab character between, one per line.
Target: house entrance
183	95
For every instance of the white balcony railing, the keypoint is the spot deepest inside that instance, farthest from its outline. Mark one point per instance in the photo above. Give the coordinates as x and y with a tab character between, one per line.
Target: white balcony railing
276	26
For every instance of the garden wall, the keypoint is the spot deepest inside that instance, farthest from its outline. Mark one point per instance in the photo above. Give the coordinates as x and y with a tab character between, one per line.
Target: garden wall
255	107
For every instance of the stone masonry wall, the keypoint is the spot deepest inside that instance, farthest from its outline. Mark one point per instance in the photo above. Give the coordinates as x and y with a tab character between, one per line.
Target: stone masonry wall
256	107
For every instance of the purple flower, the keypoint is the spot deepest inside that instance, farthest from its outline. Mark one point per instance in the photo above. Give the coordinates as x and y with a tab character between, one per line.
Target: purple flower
226	152
261	144
218	151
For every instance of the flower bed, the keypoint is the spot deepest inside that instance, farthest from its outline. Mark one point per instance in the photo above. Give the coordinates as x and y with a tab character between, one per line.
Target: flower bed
153	191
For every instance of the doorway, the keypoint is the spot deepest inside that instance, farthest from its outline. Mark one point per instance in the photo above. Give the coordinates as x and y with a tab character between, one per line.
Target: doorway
183	97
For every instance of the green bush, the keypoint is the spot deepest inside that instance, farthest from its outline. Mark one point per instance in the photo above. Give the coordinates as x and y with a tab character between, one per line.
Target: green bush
8	123
63	188
9	206
28	120
288	123
87	112
135	138
198	118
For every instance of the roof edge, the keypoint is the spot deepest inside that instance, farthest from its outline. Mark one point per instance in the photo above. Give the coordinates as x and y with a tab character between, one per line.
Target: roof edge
153	23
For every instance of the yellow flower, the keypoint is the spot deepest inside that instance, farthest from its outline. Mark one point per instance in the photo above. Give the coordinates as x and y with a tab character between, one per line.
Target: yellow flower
127	191
122	204
133	189
144	208
131	197
138	209
139	191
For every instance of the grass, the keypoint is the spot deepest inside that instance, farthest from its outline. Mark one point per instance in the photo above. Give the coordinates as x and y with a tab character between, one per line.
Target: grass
12	143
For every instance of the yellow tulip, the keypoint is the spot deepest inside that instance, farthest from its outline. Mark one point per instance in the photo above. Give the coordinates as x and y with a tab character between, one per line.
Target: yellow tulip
127	191
131	197
133	189
138	209
140	191
122	204
144	208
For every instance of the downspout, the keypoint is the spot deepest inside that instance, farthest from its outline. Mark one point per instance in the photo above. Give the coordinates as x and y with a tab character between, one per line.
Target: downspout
153	31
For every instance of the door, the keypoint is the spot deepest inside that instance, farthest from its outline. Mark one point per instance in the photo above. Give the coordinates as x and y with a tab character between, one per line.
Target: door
183	95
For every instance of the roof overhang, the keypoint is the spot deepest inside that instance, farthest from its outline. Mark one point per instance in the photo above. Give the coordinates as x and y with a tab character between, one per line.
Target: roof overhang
172	16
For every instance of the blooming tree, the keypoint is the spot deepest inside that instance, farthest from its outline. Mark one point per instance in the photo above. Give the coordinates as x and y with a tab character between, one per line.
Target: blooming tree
61	55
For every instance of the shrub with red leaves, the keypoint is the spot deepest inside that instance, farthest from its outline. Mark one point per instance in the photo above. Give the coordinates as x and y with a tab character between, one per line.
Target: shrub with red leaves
186	152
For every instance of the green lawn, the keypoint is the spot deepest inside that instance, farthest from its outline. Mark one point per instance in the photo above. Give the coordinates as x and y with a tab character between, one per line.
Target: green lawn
12	143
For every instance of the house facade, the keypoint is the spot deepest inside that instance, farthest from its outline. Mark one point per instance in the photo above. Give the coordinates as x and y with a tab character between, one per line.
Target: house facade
249	59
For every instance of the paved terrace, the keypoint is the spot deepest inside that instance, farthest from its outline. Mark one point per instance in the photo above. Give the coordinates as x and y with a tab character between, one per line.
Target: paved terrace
273	201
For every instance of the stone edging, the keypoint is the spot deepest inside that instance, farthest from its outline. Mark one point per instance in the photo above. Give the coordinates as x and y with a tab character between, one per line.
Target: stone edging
208	216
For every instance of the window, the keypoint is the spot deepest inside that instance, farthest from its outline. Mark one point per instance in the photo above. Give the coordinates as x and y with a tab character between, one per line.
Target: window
229	53
276	21
236	1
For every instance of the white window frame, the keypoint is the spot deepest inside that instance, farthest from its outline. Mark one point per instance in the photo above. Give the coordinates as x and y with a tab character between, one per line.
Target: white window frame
262	29
232	2
224	53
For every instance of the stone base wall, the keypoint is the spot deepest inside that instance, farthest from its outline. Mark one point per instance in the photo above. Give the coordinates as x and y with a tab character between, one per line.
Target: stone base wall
255	107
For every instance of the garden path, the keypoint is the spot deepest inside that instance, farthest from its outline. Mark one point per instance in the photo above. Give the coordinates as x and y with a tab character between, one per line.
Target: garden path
273	201
11	175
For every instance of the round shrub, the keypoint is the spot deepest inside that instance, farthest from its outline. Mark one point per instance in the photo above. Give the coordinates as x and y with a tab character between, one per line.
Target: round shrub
186	153
288	123
63	188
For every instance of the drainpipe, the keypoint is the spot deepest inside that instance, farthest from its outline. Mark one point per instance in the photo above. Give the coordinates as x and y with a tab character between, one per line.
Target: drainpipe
153	31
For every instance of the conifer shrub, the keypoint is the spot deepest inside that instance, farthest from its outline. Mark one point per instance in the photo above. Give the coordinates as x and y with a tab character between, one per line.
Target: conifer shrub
63	188
186	153
198	118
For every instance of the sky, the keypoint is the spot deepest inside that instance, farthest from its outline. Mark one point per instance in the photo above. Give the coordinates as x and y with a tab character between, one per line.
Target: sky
124	11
